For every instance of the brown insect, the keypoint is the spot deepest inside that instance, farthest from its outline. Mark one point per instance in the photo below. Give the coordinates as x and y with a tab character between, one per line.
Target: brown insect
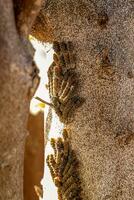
63	169
63	80
53	144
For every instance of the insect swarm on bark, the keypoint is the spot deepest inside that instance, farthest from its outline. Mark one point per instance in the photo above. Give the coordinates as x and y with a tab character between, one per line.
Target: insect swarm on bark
63	169
63	81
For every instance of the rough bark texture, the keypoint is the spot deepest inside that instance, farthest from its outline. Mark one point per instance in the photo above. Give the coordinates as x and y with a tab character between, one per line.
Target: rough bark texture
102	131
15	83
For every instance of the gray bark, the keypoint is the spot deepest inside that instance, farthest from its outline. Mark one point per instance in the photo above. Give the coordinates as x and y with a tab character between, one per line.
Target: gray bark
102	130
15	84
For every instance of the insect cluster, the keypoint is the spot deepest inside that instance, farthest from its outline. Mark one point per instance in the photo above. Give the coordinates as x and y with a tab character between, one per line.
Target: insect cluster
63	81
63	168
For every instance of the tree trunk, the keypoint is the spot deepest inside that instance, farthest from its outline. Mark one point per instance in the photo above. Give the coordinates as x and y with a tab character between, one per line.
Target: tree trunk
16	81
102	33
34	156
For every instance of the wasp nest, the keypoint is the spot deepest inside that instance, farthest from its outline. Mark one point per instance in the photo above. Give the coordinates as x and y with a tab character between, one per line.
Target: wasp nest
63	168
63	81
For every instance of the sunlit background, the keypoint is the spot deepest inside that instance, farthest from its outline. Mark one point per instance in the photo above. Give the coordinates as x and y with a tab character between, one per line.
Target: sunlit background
43	58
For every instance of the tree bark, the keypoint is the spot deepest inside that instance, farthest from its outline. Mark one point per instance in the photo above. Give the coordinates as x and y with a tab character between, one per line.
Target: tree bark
102	130
16	81
34	156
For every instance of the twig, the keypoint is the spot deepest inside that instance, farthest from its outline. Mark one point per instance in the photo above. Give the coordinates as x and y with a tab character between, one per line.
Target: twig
43	101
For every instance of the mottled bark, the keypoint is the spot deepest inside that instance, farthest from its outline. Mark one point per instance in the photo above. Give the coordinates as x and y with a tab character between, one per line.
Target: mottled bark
102	130
15	85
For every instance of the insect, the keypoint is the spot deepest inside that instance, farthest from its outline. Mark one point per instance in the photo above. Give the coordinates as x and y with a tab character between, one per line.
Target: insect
63	168
63	81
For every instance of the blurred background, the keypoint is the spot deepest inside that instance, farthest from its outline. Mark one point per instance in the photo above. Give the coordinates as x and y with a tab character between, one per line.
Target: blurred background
37	178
